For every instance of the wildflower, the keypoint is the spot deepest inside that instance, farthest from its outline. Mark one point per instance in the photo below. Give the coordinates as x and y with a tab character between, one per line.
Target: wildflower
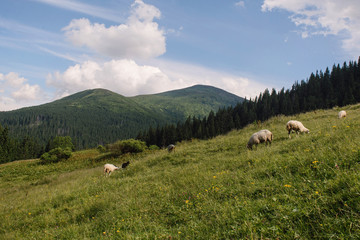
287	185
118	231
345	205
316	192
179	232
214	176
186	201
93	217
314	162
97	196
104	233
334	126
29	213
347	126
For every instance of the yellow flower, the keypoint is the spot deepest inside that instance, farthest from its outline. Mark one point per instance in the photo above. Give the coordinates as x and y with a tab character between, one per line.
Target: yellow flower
214	176
118	231
314	162
316	192
347	126
334	126
179	232
29	213
104	233
287	185
187	201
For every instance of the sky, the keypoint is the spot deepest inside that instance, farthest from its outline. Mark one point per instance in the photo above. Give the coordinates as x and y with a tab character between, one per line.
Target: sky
50	49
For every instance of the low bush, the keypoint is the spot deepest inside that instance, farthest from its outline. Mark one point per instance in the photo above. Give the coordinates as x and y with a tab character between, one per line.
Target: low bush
56	155
127	146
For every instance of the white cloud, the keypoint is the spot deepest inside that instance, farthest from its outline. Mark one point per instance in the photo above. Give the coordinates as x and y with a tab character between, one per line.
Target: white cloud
122	76
85	8
16	92
240	4
337	17
139	38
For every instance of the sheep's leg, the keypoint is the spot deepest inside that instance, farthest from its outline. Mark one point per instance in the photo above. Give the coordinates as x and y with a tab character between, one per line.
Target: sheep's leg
289	133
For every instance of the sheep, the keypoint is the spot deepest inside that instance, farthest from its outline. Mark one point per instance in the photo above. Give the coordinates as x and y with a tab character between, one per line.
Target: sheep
342	114
124	165
109	168
171	148
296	126
260	137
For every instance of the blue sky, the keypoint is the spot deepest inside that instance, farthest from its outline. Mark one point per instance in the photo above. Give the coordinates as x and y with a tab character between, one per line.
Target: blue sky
50	49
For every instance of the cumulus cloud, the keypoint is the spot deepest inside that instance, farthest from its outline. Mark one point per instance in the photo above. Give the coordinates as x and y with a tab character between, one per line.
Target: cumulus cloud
139	38
128	78
16	92
122	76
337	17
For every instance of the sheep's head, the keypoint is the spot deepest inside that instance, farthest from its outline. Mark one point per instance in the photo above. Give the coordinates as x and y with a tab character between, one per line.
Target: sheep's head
249	146
307	130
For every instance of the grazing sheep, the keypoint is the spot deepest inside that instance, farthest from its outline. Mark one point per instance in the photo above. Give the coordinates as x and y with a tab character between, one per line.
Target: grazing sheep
260	137
296	126
171	148
124	165
109	168
342	114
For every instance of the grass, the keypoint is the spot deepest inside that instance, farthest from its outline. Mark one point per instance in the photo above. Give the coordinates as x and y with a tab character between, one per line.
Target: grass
306	187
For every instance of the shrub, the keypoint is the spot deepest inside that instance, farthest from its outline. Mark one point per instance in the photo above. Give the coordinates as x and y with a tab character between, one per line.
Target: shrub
101	149
127	146
61	142
56	155
153	147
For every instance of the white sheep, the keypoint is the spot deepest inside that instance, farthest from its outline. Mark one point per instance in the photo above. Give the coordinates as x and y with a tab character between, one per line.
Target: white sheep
109	168
260	137
296	126
342	114
171	148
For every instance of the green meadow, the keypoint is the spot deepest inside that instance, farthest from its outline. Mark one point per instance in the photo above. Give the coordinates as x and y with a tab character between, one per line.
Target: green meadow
306	187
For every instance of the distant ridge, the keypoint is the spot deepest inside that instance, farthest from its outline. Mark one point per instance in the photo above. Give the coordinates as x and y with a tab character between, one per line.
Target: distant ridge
100	116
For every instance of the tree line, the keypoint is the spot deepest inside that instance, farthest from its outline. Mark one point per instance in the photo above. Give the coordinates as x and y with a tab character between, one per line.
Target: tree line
322	90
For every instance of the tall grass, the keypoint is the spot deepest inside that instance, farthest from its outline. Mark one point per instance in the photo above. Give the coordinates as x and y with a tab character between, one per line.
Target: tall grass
306	187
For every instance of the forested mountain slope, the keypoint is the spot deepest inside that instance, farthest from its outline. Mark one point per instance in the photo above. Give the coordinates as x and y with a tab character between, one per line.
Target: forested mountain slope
100	116
196	101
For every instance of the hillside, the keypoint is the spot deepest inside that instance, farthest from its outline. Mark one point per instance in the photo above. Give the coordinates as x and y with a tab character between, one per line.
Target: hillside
100	116
306	187
196	101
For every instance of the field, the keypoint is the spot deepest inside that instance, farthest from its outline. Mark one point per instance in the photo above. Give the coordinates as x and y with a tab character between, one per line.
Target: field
306	187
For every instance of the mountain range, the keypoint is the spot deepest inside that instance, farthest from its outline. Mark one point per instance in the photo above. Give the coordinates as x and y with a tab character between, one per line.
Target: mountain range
100	116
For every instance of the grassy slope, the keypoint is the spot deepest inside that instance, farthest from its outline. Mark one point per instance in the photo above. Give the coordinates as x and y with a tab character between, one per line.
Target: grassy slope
214	189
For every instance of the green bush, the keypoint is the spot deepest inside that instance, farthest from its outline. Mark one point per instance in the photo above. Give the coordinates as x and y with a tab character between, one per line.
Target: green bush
61	142
127	146
56	155
101	149
153	147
